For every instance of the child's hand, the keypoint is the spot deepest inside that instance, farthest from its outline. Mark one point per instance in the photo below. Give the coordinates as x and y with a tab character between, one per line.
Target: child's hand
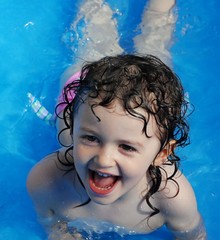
60	232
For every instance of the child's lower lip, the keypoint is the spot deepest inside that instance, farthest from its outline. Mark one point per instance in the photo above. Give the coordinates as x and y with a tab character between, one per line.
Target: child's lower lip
101	190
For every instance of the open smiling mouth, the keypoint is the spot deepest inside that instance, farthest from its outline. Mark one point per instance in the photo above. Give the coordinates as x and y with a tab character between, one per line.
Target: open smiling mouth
102	183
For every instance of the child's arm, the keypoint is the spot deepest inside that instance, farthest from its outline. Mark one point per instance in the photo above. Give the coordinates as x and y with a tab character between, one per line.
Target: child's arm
42	185
180	212
198	233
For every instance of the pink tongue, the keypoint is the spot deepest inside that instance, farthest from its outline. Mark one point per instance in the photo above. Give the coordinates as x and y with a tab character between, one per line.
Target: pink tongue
103	181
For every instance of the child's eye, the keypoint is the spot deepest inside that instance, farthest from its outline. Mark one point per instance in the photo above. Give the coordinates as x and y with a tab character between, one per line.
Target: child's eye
127	148
90	139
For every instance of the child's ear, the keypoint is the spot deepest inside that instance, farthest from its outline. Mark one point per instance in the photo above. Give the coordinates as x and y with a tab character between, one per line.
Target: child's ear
162	156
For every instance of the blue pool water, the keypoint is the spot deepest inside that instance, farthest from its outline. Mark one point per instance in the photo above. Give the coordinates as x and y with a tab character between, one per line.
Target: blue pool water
33	54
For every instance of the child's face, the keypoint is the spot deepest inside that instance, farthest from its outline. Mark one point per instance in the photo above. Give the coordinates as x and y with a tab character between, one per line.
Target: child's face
113	155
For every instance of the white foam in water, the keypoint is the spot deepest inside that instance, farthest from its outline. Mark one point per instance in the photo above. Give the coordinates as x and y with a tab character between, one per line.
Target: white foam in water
91	227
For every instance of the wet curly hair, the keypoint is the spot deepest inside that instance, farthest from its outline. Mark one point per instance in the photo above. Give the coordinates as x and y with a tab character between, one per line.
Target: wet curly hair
137	82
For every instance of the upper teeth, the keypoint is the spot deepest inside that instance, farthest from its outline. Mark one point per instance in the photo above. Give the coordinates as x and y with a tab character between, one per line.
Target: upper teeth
104	174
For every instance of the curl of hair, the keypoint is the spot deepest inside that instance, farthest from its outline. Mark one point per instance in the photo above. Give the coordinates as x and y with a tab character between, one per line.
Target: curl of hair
136	82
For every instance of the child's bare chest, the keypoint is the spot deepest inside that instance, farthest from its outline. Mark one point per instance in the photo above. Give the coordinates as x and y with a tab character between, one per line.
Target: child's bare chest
131	213
130	216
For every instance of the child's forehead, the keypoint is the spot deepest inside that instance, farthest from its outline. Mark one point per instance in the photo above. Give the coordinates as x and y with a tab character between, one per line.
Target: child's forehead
124	102
115	117
116	107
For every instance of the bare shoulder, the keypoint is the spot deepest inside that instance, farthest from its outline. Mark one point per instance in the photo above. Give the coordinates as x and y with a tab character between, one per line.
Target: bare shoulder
44	174
45	182
177	202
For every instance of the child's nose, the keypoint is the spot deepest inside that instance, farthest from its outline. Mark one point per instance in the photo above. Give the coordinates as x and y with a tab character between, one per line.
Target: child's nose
105	158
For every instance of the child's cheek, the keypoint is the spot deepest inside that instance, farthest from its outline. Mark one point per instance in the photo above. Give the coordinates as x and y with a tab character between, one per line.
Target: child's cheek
82	154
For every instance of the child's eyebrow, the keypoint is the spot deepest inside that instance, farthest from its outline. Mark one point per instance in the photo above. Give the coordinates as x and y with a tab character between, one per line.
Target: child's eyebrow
86	129
135	143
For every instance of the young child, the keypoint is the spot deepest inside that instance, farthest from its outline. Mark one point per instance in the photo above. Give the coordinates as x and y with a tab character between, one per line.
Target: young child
120	120
127	116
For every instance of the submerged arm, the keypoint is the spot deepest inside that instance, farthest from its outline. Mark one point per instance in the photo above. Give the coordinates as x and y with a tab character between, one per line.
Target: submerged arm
197	233
179	207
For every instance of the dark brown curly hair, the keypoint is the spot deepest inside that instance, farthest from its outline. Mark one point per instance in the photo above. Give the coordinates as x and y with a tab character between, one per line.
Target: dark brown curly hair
137	82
